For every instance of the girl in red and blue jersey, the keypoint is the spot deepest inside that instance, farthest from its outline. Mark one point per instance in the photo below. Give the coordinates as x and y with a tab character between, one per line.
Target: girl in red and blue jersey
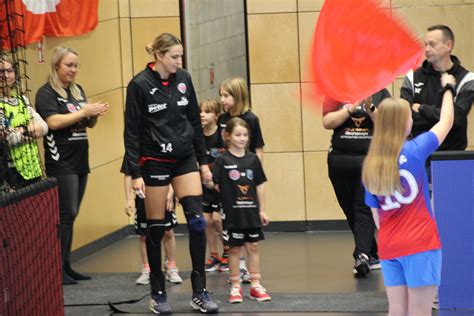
397	191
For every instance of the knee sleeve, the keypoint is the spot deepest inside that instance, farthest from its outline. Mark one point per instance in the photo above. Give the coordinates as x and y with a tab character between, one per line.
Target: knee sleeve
156	231
192	206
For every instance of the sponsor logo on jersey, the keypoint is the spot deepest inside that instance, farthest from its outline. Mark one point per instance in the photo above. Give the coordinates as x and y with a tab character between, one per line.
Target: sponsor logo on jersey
71	107
358	121
183	102
153	108
249	173
230	166
62	100
234	175
182	87
253	235
244	189
152	91
418	87
78	135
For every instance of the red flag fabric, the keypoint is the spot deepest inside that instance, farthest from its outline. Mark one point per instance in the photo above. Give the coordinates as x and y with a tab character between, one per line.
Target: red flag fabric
72	17
358	49
58	18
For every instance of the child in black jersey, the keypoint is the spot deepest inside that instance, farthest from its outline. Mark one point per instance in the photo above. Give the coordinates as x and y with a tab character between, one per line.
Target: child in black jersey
211	204
235	102
135	206
239	176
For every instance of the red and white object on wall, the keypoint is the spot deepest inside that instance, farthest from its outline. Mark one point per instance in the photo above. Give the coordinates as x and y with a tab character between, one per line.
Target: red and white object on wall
58	18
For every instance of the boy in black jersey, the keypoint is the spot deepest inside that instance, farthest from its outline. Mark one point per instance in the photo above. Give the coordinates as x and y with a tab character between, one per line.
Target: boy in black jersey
211	204
239	176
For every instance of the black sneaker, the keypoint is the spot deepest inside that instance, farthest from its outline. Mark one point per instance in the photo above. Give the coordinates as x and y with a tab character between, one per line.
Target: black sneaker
362	265
159	304
202	302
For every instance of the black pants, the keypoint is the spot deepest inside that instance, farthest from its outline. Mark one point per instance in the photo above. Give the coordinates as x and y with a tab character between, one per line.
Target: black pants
345	174
71	188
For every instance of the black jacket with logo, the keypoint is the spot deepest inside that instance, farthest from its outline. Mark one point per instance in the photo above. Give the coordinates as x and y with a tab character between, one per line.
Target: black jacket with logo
162	121
424	87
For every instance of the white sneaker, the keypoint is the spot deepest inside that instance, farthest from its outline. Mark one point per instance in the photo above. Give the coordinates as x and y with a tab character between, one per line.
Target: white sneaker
144	278
172	276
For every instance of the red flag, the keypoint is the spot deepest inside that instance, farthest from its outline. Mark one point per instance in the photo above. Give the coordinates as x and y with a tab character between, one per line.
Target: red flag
72	17
27	21
358	49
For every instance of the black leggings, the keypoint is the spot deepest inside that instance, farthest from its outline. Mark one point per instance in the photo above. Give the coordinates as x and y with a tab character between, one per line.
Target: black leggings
345	174
71	189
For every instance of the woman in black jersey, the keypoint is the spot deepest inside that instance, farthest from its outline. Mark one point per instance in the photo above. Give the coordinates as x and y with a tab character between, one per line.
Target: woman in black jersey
353	127
63	105
164	143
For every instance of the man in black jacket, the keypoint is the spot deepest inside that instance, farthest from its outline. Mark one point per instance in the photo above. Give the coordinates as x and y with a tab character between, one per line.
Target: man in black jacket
422	88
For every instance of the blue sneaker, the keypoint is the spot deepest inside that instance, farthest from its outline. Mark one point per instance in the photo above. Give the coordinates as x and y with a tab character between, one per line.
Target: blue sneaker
202	302
159	304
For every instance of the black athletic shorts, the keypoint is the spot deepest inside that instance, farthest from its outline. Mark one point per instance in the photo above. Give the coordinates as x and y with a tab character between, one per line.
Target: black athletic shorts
238	237
210	201
159	172
141	225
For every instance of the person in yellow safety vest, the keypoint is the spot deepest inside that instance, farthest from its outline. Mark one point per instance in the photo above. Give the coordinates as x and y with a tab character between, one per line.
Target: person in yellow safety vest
20	125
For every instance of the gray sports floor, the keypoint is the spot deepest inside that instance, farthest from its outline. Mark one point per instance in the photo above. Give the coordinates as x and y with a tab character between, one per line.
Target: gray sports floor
307	273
